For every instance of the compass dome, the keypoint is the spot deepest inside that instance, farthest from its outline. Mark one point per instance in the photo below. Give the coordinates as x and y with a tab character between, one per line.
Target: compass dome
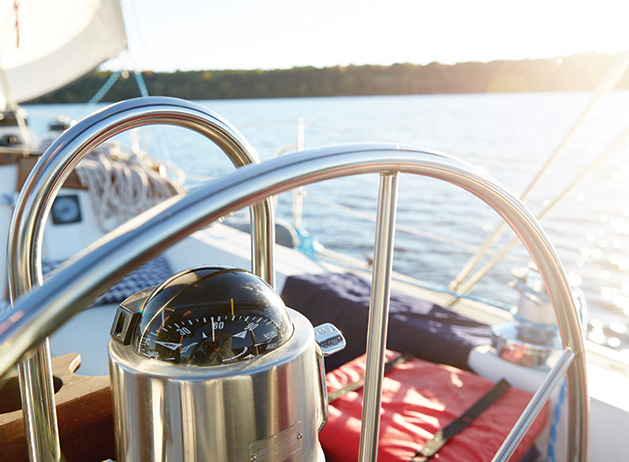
208	316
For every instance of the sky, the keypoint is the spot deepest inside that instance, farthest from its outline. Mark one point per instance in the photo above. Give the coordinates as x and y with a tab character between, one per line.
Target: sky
167	35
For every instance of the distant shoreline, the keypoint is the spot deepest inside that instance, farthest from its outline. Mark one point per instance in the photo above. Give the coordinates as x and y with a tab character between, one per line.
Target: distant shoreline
573	73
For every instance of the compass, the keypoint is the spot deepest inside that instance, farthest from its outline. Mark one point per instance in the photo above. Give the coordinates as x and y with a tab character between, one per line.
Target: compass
205	316
211	365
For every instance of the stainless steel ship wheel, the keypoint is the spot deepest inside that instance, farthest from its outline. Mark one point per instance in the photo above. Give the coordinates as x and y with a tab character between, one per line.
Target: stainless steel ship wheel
85	277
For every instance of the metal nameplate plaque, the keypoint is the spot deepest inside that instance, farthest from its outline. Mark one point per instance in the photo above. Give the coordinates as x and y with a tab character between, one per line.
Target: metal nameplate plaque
277	447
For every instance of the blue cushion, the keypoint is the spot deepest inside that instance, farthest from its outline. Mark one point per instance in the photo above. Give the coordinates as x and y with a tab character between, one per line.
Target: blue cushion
419	327
152	273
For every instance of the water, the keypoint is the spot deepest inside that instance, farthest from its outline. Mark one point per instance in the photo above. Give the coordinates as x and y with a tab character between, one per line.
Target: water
508	135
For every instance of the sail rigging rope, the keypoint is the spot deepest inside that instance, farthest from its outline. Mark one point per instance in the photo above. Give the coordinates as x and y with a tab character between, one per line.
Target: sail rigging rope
16	6
139	80
113	78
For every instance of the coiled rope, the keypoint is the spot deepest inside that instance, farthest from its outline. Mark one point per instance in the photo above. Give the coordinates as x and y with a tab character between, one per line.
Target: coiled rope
121	185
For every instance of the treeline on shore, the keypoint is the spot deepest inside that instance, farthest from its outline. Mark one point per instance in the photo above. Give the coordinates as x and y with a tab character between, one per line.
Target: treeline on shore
574	73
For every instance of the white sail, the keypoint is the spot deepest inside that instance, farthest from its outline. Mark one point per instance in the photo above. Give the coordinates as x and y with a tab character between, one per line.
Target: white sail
46	44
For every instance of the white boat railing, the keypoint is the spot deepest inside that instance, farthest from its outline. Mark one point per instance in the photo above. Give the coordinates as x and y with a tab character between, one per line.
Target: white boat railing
80	280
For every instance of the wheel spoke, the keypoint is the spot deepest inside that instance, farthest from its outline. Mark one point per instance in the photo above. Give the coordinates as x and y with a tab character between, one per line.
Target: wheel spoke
541	396
378	315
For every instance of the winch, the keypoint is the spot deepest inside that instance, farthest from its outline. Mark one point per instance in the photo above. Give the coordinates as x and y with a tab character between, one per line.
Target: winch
533	335
211	365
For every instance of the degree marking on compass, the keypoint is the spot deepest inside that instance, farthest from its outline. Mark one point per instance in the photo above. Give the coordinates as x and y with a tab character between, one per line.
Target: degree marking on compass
170	345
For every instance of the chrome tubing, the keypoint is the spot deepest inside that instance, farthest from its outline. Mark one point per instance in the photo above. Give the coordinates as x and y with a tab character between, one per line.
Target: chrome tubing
378	314
542	395
34	204
83	278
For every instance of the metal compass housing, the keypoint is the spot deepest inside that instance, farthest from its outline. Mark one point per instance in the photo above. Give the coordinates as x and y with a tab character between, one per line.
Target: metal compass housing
211	365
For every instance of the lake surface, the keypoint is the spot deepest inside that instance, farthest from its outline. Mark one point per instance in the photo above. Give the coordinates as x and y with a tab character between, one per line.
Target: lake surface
508	135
